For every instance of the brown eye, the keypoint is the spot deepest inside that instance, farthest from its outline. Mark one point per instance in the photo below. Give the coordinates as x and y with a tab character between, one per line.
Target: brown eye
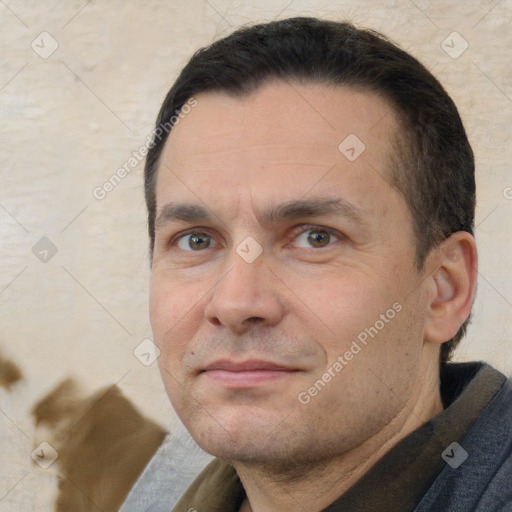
315	238
194	242
319	238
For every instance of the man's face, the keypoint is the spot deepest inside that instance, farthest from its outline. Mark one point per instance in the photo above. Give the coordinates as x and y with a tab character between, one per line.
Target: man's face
309	348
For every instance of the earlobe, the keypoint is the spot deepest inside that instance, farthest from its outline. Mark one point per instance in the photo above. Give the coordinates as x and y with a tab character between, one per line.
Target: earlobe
452	287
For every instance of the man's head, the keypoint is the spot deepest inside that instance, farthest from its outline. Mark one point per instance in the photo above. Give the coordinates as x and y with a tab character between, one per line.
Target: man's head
310	224
430	161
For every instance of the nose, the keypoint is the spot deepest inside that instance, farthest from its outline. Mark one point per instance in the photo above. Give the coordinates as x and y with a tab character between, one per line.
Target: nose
246	295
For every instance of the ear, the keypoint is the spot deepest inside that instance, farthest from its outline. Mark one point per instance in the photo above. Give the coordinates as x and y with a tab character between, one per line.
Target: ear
451	286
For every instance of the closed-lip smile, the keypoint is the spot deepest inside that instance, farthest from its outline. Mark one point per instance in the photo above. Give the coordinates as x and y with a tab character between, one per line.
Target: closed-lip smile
244	366
245	374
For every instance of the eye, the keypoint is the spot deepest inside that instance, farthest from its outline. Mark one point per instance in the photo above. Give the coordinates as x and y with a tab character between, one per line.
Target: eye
194	241
309	237
316	237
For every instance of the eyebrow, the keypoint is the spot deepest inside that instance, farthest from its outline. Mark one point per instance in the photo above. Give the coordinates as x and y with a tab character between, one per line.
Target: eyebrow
288	211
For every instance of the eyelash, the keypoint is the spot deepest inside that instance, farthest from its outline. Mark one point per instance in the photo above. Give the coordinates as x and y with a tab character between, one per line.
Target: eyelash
296	232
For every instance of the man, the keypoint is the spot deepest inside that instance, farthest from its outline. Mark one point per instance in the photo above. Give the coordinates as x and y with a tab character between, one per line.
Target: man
313	268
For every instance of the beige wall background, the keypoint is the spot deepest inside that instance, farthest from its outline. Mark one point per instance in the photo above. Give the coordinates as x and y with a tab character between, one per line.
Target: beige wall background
80	87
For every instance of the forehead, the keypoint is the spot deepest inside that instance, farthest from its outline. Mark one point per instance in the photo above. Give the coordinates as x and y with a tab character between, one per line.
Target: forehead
280	112
278	142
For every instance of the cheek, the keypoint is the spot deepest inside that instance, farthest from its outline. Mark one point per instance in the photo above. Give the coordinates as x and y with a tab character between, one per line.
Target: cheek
357	308
161	303
173	313
344	302
396	352
171	330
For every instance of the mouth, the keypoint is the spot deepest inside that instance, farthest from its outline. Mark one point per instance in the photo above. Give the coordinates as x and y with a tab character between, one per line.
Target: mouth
245	374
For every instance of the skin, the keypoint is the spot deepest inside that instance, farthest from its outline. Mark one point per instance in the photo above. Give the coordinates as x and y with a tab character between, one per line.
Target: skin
300	303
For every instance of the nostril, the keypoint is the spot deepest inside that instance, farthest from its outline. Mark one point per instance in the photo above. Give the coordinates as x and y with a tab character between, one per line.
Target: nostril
255	319
215	321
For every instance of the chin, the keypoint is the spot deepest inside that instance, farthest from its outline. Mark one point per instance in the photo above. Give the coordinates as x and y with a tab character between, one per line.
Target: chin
228	448
240	437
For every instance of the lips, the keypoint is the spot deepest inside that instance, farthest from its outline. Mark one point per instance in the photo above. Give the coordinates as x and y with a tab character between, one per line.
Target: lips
245	374
245	366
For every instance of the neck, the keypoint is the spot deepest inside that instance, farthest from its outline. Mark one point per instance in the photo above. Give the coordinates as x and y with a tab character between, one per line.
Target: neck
318	485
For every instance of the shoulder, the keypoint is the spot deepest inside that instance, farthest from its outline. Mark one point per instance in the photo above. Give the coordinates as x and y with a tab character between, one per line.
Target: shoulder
482	482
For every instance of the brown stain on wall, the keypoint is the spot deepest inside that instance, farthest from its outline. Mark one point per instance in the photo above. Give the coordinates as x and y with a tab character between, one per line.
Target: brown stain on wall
9	373
103	443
